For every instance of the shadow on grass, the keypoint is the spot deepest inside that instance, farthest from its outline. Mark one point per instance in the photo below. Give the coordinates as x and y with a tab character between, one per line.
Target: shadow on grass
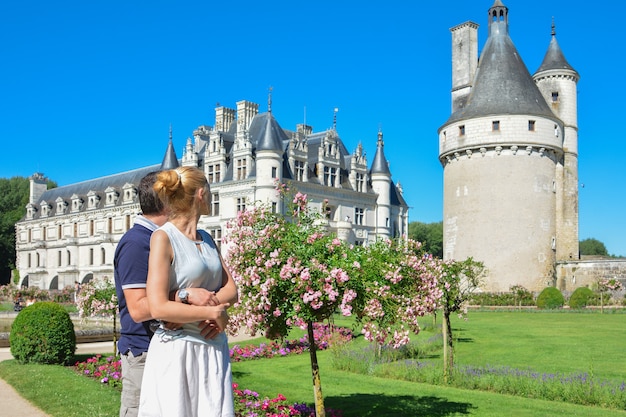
380	405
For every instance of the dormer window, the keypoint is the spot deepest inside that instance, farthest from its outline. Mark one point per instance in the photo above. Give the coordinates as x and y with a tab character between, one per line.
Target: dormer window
31	210
61	206
111	196
45	209
129	193
93	200
77	203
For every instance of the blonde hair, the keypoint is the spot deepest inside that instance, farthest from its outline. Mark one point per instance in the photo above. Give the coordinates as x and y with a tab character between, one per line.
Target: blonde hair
177	188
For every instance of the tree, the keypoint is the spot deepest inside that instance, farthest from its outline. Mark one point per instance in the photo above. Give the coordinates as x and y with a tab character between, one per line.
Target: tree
291	272
431	236
13	199
592	246
14	194
459	279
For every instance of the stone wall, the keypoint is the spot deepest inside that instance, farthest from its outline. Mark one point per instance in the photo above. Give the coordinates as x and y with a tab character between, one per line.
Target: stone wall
584	273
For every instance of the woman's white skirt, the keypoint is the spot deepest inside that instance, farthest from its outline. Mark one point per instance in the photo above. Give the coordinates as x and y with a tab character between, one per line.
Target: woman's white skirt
186	379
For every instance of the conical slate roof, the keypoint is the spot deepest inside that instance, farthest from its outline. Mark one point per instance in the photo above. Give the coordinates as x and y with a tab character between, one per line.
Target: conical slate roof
554	58
270	136
502	84
170	160
380	164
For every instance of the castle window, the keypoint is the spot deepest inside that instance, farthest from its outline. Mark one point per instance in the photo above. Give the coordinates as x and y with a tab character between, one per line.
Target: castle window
462	130
299	167
555	96
216	234
274	207
214	174
495	125
241	204
215	204
91	228
330	176
242	170
90	256
358	215
69	258
531	125
30	260
60	254
59	232
103	254
274	172
360	182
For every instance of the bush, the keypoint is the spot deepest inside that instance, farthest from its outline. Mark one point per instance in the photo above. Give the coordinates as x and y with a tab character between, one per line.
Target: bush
550	298
581	298
43	333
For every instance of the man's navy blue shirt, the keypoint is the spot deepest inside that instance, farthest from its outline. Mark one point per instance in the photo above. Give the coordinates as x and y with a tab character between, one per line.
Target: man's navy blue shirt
131	271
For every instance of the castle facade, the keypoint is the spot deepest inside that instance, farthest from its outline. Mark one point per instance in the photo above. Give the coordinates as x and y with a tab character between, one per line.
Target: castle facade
69	233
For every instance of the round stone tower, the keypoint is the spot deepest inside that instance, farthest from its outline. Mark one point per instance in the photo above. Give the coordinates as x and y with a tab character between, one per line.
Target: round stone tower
557	81
501	151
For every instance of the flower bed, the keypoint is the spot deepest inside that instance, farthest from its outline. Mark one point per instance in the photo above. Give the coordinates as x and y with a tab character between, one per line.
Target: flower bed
108	370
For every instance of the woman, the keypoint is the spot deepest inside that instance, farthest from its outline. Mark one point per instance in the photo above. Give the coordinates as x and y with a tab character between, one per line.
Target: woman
187	374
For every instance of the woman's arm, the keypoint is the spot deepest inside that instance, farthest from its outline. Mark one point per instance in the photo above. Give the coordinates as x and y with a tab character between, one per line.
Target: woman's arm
229	292
157	288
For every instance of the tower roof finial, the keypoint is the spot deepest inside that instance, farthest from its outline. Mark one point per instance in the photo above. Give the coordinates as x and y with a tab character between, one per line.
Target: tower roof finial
269	99
553	27
335	118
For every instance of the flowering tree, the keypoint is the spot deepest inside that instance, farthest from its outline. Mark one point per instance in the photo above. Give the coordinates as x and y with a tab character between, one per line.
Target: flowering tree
292	272
606	286
97	298
458	280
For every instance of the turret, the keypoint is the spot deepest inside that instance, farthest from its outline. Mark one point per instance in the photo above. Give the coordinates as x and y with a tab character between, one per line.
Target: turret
170	160
269	158
381	184
557	80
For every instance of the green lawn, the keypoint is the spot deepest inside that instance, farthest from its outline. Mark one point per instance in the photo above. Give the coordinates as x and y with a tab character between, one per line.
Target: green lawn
565	342
542	341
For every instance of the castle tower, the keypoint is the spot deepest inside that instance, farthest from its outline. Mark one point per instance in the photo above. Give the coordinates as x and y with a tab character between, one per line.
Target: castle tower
557	81
269	162
381	184
500	151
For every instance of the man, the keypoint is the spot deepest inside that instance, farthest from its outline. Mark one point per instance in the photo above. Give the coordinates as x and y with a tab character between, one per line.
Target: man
131	271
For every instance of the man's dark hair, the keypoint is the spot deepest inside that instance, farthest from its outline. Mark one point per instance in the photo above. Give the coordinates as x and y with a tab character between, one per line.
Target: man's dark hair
148	199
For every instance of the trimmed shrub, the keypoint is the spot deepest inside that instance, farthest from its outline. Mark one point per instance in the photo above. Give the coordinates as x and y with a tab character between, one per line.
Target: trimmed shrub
550	298
43	333
581	298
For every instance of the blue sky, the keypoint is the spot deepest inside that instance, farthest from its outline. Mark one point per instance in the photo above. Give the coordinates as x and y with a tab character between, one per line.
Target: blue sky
90	88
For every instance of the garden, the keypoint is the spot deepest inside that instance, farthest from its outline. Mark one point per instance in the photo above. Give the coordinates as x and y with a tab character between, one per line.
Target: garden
386	327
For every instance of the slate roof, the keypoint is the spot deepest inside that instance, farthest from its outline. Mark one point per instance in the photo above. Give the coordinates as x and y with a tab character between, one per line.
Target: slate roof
502	84
554	58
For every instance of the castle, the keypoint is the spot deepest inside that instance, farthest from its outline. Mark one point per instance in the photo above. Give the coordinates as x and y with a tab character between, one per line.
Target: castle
70	233
509	152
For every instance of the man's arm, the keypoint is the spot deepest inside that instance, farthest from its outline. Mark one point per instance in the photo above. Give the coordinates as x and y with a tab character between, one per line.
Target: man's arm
137	303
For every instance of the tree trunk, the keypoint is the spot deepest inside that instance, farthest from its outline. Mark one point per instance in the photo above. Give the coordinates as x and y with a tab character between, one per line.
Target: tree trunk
315	371
448	347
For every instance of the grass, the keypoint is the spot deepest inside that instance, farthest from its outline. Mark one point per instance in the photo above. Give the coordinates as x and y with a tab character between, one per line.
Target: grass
544	341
